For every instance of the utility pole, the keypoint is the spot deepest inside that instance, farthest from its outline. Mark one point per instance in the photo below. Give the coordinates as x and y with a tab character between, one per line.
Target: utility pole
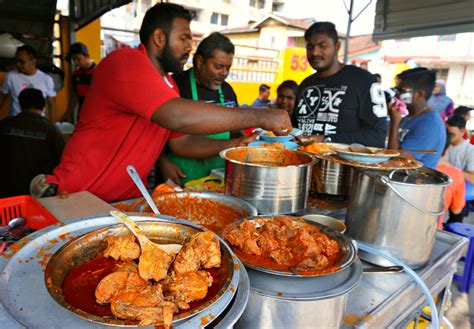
350	20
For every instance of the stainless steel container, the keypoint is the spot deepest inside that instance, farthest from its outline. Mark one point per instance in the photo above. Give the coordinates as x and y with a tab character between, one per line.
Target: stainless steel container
331	177
288	302
274	181
397	211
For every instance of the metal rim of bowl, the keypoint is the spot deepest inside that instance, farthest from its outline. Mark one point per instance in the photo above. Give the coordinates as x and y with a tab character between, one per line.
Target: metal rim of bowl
313	159
346	244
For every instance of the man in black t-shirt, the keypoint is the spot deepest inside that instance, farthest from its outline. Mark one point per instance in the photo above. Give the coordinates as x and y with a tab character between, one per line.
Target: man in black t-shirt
30	145
204	82
338	103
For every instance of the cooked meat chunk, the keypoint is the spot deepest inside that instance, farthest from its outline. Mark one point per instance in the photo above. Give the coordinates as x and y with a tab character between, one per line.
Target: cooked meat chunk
122	247
202	250
188	287
154	263
288	241
146	305
115	283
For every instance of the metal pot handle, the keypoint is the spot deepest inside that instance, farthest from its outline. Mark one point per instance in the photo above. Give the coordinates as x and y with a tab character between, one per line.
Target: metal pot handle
386	181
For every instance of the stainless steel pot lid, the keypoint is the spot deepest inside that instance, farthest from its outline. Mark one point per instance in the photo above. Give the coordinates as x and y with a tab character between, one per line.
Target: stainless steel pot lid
421	176
305	288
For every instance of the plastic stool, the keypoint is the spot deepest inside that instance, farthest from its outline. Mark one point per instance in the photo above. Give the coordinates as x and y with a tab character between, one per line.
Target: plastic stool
467	231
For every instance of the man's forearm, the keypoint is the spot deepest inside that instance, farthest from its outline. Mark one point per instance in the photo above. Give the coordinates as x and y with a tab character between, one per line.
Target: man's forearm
200	118
199	147
468	176
393	136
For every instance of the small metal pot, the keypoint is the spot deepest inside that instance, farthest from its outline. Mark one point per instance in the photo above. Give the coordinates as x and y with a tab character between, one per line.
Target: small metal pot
288	302
397	211
331	177
274	181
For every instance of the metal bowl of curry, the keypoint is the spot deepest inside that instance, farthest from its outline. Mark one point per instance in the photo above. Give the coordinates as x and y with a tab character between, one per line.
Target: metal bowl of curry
75	270
289	246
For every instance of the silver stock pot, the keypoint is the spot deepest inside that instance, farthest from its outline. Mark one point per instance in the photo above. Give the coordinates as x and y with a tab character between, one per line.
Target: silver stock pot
275	181
396	211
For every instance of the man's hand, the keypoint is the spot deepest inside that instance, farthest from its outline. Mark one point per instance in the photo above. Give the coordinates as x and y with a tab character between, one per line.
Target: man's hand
245	140
395	113
275	120
170	170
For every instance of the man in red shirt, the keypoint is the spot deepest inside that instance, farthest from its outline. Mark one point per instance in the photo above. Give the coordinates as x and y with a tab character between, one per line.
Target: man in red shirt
131	108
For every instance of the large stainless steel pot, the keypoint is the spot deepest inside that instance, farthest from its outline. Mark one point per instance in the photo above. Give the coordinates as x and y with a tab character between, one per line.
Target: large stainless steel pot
397	211
288	302
274	181
331	177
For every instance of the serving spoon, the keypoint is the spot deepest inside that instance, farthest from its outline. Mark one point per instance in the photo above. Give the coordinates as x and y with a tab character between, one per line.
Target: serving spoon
145	243
138	182
13	224
359	148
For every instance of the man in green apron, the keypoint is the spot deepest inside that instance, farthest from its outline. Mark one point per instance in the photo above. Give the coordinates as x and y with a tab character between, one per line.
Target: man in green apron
204	82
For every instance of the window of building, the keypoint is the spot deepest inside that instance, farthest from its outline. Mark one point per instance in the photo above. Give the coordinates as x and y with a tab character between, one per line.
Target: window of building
214	18
442	74
447	37
261	4
224	20
253	3
277	7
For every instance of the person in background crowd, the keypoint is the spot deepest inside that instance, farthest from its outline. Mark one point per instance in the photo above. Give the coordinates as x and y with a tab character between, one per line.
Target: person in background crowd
27	75
440	102
206	82
286	96
454	199
339	103
81	80
263	96
422	128
461	153
378	77
464	112
30	145
127	121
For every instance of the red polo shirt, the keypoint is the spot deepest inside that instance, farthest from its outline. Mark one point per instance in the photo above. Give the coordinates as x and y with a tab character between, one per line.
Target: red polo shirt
115	128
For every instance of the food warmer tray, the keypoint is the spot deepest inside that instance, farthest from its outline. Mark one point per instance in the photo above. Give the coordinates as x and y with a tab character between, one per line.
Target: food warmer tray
25	302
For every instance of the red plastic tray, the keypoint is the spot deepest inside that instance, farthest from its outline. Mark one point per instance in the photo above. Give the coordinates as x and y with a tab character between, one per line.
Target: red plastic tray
37	217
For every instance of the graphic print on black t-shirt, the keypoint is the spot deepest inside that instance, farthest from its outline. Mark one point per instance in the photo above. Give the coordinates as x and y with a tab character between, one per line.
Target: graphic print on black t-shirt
318	109
347	102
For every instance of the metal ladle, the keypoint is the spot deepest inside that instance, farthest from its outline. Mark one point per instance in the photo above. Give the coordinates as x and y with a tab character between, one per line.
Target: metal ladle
138	182
13	224
359	148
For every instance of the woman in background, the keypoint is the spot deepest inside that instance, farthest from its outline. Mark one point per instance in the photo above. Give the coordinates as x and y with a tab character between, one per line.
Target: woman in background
441	103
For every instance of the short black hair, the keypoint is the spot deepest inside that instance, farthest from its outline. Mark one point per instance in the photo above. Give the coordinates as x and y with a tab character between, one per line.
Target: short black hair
214	41
31	99
420	79
457	121
263	87
327	28
78	48
288	84
161	16
29	50
462	110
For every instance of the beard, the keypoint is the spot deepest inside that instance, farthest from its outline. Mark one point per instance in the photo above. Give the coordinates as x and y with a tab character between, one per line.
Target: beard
170	62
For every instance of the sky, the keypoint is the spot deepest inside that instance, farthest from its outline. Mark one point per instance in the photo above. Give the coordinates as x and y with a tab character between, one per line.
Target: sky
335	11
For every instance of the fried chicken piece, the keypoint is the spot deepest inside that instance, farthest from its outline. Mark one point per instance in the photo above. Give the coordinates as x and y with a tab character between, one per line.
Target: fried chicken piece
115	283
129	266
318	262
154	263
122	247
145	304
188	287
202	250
328	246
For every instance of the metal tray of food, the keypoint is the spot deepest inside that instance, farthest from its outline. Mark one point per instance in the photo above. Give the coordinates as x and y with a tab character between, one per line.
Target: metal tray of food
24	299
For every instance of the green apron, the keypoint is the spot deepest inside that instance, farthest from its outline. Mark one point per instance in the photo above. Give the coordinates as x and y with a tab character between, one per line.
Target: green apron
197	168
